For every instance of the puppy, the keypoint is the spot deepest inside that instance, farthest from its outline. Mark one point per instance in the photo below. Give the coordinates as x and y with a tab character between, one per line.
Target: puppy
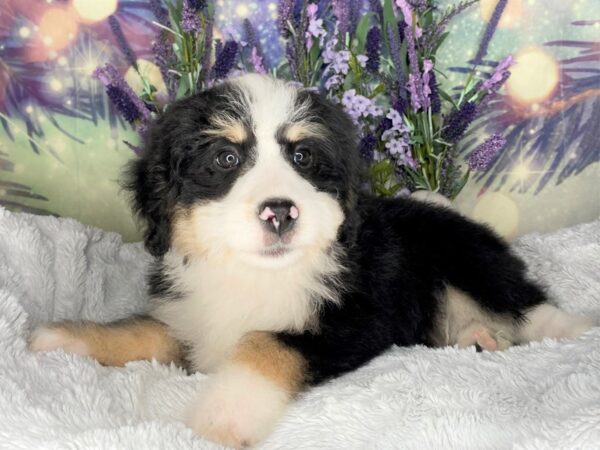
274	272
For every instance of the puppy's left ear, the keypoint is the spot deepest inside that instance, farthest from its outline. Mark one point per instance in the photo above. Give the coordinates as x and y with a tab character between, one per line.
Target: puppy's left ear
150	180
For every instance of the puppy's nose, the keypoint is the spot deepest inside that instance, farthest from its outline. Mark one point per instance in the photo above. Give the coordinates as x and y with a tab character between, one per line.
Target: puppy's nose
278	215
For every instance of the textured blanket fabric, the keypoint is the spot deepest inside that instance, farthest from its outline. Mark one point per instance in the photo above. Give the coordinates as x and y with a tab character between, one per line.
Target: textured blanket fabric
543	395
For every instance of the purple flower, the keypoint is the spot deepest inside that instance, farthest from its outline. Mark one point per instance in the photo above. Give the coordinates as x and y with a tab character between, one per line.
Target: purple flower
396	146
129	105
434	95
427	69
160	12
395	127
490	29
458	121
122	41
341	10
498	76
395	54
285	11
190	22
315	26
197	5
418	97
333	82
399	105
367	146
354	13
373	46
484	155
253	40
257	61
225	60
164	58
408	16
358	106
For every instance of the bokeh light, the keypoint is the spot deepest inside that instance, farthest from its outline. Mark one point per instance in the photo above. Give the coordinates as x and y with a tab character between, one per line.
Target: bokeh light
534	76
58	27
94	10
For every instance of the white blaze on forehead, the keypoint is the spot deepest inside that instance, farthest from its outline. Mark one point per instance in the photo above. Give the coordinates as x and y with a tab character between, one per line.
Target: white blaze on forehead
272	104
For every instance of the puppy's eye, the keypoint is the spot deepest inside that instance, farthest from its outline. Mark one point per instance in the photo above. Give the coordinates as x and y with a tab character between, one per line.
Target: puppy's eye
302	157
227	159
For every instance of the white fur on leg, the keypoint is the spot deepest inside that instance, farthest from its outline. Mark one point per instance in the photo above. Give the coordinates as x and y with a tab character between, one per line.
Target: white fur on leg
238	407
548	321
47	339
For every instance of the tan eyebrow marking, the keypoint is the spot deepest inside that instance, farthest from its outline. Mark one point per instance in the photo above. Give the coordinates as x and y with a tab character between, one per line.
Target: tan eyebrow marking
232	129
297	131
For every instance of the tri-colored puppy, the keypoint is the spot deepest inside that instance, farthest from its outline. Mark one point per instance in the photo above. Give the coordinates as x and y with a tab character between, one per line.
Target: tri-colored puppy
274	272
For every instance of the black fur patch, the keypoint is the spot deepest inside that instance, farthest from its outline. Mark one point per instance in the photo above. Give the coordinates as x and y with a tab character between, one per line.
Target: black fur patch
405	253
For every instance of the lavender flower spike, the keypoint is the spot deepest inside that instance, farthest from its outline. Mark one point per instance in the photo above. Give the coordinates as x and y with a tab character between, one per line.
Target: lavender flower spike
253	40
408	16
190	22
285	11
122	41
484	155
197	5
458	121
257	61
225	60
160	12
129	105
498	76
341	10
490	29
372	47
415	83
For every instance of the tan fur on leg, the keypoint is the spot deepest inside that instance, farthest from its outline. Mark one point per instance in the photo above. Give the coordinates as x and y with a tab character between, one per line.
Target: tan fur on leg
244	400
112	344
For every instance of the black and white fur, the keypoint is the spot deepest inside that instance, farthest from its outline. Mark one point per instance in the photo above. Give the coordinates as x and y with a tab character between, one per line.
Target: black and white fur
354	274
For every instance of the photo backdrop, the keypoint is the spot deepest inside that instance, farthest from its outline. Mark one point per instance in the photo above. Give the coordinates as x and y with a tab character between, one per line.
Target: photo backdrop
61	143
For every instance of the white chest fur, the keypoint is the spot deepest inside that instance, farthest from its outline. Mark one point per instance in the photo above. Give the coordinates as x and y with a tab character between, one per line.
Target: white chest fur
223	301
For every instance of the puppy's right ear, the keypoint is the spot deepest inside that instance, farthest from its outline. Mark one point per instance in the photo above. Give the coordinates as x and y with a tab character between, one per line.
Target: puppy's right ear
150	181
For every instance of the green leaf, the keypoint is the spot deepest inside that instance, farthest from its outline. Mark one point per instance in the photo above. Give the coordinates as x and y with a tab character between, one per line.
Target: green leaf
378	90
183	87
361	32
446	97
440	42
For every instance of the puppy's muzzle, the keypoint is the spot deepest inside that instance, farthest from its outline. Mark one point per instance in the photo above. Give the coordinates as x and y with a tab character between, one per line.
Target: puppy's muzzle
278	215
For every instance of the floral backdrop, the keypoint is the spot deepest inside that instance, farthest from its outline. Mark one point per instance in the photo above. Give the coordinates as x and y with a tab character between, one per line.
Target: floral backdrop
62	143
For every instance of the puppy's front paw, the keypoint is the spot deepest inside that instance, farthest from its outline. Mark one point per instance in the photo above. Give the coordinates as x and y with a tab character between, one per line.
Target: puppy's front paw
238	408
49	338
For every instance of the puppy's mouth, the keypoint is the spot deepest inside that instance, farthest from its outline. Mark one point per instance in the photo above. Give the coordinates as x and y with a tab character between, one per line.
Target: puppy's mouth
275	251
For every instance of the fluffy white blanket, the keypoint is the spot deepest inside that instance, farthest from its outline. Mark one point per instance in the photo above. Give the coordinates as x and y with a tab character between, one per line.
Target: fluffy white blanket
543	395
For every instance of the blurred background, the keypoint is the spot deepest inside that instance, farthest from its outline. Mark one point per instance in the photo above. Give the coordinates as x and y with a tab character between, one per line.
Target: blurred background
61	143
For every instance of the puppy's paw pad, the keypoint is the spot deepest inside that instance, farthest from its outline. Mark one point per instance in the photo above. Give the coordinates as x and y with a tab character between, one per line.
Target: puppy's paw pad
485	340
47	339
